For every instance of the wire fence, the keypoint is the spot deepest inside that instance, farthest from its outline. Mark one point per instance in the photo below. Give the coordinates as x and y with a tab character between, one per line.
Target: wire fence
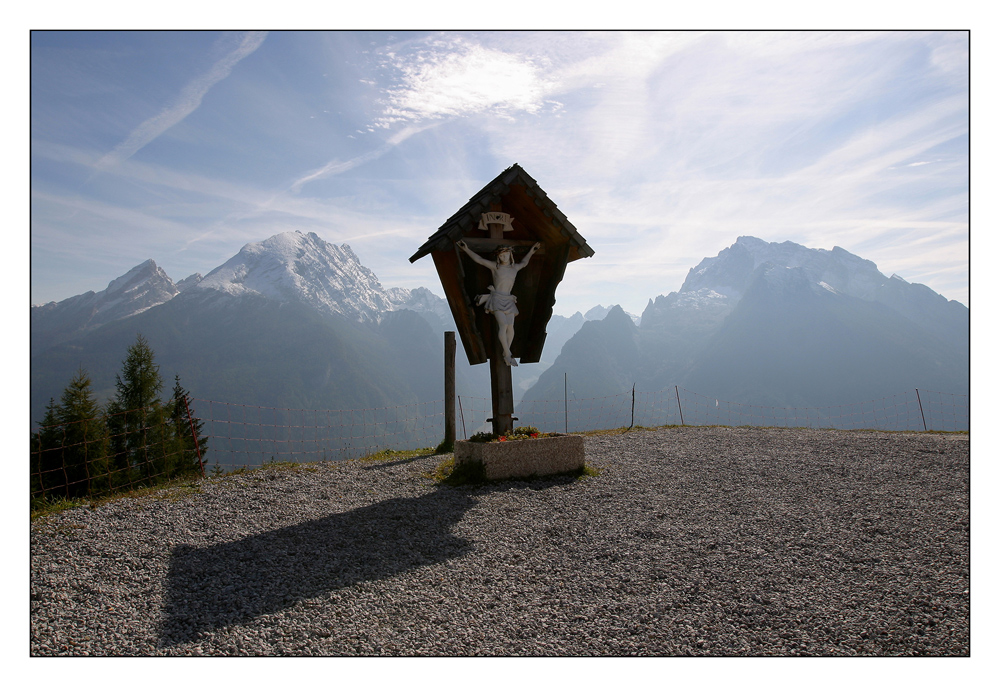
244	435
113	452
140	448
917	410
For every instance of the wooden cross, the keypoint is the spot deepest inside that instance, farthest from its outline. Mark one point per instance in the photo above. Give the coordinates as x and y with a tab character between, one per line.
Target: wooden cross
501	383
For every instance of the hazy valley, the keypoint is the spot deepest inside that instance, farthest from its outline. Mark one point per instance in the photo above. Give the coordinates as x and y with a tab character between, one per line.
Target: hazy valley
296	322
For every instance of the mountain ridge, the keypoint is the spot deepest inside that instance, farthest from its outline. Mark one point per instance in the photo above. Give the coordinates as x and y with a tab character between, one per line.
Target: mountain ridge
143	287
329	302
780	324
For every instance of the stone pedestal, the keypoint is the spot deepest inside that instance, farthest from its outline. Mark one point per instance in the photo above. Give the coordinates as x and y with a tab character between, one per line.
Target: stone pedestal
523	458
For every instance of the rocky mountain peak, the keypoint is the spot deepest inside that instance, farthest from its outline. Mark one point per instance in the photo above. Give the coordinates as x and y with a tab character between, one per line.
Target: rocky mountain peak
188	282
136	276
599	312
730	272
293	266
141	288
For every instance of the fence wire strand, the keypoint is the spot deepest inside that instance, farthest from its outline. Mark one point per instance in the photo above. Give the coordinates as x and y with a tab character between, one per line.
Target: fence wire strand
83	457
245	435
118	452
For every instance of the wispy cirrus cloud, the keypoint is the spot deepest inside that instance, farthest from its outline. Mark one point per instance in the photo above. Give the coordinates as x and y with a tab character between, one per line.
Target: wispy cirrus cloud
661	147
187	102
338	166
455	77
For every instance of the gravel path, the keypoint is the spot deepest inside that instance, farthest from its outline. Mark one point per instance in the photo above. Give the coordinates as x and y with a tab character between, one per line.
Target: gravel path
708	541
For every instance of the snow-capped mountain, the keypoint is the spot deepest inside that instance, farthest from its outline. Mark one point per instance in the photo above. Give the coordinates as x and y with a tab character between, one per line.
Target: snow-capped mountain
776	324
421	300
291	321
294	321
141	288
716	285
729	272
296	267
188	282
287	267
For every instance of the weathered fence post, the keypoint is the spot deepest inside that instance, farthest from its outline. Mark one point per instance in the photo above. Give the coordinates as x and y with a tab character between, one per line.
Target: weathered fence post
921	406
449	390
679	410
632	424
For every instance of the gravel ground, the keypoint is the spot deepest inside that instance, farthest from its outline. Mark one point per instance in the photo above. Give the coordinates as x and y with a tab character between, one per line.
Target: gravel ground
689	541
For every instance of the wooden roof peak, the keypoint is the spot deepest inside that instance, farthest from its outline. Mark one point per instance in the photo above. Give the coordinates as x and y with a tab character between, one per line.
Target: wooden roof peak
467	217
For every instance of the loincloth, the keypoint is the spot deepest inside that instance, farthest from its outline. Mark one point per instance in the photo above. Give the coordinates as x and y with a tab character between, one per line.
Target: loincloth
495	301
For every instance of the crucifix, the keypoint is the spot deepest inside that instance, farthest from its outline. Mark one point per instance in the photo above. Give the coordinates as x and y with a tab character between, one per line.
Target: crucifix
501	302
527	266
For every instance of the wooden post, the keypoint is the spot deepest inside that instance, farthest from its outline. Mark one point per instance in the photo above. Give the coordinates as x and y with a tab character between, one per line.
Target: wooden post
921	406
449	389
502	388
632	424
566	399
501	383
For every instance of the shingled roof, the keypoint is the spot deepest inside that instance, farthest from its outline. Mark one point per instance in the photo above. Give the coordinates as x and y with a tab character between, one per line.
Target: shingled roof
510	186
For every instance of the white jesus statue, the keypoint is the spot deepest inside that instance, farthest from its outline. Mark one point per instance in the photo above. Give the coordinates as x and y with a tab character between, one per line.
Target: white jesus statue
499	300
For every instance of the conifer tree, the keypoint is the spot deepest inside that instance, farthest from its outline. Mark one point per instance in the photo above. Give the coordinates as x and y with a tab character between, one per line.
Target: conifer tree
84	453
46	454
136	416
186	428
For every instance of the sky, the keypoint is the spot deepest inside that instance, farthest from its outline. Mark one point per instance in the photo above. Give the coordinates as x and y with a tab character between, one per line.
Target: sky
662	148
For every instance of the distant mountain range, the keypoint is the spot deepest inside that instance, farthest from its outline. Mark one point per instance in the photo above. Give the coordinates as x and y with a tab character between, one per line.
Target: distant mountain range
774	324
296	322
291	322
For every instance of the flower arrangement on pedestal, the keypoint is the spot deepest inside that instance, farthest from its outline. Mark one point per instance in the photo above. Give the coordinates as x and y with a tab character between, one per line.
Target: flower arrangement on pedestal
523	452
517	434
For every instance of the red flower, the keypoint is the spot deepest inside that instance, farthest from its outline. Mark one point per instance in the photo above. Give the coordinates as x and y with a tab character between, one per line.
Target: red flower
503	438
535	435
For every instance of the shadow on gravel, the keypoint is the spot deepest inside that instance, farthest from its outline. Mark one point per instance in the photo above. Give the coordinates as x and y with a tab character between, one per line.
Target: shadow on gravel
226	584
393	463
532	483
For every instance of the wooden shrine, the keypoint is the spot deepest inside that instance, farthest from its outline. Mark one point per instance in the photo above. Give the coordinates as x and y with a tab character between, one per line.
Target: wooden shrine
527	216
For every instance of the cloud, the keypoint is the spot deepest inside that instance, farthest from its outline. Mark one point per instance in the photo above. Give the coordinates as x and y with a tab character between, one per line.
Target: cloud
111	215
187	102
662	149
339	167
669	146
455	77
243	209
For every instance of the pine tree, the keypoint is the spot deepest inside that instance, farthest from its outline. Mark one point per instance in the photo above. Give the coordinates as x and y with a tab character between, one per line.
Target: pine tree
139	445
84	451
46	455
186	428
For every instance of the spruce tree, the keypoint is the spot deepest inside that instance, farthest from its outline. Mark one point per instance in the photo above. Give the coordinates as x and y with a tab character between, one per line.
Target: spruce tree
139	444
47	474
84	452
186	428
